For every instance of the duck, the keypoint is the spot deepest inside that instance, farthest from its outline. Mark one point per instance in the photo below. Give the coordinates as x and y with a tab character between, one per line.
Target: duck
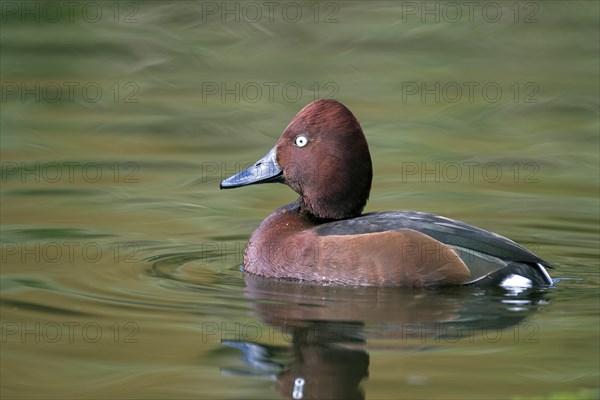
324	238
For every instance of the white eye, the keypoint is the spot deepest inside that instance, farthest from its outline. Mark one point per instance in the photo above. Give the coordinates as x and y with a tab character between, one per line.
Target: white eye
301	141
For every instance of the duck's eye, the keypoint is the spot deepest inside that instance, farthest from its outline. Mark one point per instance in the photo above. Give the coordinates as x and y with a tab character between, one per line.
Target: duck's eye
301	141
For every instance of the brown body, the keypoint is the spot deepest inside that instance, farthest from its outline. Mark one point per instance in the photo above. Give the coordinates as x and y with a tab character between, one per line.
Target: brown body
286	246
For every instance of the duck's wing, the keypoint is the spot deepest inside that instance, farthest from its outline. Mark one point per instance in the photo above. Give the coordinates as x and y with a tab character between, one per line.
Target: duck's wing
484	252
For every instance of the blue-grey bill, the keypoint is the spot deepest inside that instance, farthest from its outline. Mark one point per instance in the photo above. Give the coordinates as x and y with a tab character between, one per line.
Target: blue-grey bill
265	170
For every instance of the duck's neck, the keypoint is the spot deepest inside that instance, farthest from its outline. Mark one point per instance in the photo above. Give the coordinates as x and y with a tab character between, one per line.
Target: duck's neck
306	213
292	217
331	206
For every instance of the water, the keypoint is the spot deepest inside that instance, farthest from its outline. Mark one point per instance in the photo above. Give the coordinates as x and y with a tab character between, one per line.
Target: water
120	256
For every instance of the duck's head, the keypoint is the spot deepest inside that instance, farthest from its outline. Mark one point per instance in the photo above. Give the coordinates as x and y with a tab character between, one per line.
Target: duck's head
323	156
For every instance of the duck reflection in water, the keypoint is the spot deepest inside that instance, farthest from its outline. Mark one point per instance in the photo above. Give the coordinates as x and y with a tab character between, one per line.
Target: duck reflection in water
329	328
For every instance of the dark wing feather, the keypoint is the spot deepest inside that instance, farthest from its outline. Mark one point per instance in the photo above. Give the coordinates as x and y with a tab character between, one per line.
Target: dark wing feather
443	229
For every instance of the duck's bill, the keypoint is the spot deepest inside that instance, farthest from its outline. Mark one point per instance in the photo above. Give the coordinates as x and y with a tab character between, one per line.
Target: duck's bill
265	170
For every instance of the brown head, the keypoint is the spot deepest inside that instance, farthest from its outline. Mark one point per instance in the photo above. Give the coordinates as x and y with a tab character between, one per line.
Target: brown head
324	157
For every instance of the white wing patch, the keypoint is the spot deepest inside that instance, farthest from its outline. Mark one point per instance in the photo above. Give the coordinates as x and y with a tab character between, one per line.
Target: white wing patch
515	281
